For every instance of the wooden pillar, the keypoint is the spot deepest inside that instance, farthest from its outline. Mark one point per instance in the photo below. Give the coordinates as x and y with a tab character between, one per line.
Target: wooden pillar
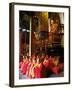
30	37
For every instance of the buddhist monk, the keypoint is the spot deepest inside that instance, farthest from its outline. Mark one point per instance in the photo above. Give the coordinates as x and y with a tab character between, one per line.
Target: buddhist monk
24	65
31	71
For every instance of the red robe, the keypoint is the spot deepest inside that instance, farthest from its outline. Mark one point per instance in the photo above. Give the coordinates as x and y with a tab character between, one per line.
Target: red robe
39	71
56	69
31	71
28	69
24	67
42	71
46	64
20	64
61	66
50	66
53	68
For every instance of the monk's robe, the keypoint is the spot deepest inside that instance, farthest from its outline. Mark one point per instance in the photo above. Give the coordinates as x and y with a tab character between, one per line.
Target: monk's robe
37	70
42	71
46	63
61	66
31	71
56	69
50	66
28	69
24	67
20	64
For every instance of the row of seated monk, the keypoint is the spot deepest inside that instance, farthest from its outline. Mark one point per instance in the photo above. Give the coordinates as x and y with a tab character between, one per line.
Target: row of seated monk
41	66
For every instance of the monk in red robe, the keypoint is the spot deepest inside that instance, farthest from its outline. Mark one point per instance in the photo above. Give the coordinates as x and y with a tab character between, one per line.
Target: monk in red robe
50	66
37	67
31	70
42	70
28	68
46	62
61	66
24	65
56	68
20	64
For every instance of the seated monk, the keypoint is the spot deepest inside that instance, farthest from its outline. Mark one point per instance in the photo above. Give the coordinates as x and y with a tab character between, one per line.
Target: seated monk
46	61
46	64
28	68
54	26
61	66
50	66
24	65
56	68
20	63
31	70
37	68
42	69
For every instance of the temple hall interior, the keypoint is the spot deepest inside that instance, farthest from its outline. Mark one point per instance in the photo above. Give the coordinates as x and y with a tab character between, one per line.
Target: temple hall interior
41	38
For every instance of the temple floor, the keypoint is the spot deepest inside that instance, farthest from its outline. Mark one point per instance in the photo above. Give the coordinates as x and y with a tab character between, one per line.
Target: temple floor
21	76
